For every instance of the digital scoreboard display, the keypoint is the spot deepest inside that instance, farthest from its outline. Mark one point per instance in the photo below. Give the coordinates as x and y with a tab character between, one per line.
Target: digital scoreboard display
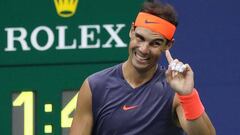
24	108
43	99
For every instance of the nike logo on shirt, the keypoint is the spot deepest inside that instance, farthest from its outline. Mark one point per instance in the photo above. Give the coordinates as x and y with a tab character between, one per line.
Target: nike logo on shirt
126	108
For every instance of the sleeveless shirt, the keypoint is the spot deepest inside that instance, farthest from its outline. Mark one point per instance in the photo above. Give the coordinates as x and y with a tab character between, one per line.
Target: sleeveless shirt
119	109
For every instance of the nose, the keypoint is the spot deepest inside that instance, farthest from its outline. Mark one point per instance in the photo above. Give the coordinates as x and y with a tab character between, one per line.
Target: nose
144	48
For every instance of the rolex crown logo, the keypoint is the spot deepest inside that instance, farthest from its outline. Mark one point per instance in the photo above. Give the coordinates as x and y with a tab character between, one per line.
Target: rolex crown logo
66	8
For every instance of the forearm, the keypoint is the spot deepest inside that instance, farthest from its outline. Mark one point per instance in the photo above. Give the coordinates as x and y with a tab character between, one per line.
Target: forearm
192	116
200	126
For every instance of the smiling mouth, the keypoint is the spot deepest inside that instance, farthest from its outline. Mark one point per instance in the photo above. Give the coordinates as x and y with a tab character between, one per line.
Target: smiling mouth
141	58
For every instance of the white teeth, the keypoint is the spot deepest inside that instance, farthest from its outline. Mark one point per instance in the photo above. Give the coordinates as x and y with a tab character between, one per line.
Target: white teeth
140	57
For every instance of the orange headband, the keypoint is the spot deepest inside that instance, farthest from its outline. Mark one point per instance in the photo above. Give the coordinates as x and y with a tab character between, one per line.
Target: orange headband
155	24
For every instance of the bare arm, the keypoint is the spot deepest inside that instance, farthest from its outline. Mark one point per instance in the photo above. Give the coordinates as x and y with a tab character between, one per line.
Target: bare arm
199	126
83	118
180	77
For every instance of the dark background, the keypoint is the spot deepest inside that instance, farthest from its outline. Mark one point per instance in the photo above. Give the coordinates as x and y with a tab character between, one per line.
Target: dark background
208	38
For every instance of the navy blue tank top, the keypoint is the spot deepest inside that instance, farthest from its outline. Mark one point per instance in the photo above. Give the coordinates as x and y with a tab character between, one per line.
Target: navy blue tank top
118	109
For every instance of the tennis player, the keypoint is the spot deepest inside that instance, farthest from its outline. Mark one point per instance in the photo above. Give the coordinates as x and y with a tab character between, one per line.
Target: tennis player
139	96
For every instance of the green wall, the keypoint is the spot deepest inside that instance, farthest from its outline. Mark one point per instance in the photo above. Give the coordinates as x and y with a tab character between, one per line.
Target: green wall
35	63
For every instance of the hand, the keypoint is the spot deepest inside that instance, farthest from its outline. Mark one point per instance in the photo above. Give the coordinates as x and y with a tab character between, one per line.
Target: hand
179	76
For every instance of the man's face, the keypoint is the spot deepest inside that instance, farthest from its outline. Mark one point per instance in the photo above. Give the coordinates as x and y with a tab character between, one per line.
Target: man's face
145	48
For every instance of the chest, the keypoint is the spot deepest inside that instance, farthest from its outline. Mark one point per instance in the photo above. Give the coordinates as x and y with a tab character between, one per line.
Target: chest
124	108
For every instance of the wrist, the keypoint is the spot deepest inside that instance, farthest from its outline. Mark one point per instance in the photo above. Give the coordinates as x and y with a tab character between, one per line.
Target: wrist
191	104
185	93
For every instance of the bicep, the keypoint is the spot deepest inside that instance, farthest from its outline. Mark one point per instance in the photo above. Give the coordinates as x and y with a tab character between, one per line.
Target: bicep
83	118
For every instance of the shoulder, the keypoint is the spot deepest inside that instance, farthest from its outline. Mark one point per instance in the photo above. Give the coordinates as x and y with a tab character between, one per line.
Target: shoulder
101	78
104	74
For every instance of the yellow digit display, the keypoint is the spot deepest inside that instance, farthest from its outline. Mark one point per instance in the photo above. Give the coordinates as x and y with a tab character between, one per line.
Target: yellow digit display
26	99
24	107
66	120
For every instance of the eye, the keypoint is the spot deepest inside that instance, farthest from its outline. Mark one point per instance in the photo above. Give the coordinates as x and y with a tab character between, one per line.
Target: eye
156	44
139	37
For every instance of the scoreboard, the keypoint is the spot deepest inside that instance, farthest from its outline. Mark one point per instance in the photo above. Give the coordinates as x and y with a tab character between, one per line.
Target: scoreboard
47	49
47	104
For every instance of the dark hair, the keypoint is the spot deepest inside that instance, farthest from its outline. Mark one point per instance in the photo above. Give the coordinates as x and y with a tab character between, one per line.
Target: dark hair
162	10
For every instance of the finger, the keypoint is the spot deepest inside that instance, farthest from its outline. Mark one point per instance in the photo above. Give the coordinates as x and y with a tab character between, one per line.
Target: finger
178	66
168	56
173	64
176	74
173	74
188	69
183	68
188	66
168	73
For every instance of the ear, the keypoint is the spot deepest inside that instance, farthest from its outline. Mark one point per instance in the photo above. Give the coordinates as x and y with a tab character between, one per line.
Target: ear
169	44
131	30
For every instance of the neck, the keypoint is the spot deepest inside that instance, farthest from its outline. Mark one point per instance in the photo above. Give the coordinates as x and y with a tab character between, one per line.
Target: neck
134	77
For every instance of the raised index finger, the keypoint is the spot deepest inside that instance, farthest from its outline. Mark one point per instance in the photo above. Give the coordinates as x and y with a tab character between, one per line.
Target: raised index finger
168	56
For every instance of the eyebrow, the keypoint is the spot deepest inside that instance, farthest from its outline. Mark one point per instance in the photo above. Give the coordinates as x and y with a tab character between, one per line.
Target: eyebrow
139	35
158	40
154	40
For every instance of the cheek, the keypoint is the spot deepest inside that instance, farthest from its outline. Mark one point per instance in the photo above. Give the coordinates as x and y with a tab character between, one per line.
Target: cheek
131	46
132	43
157	53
